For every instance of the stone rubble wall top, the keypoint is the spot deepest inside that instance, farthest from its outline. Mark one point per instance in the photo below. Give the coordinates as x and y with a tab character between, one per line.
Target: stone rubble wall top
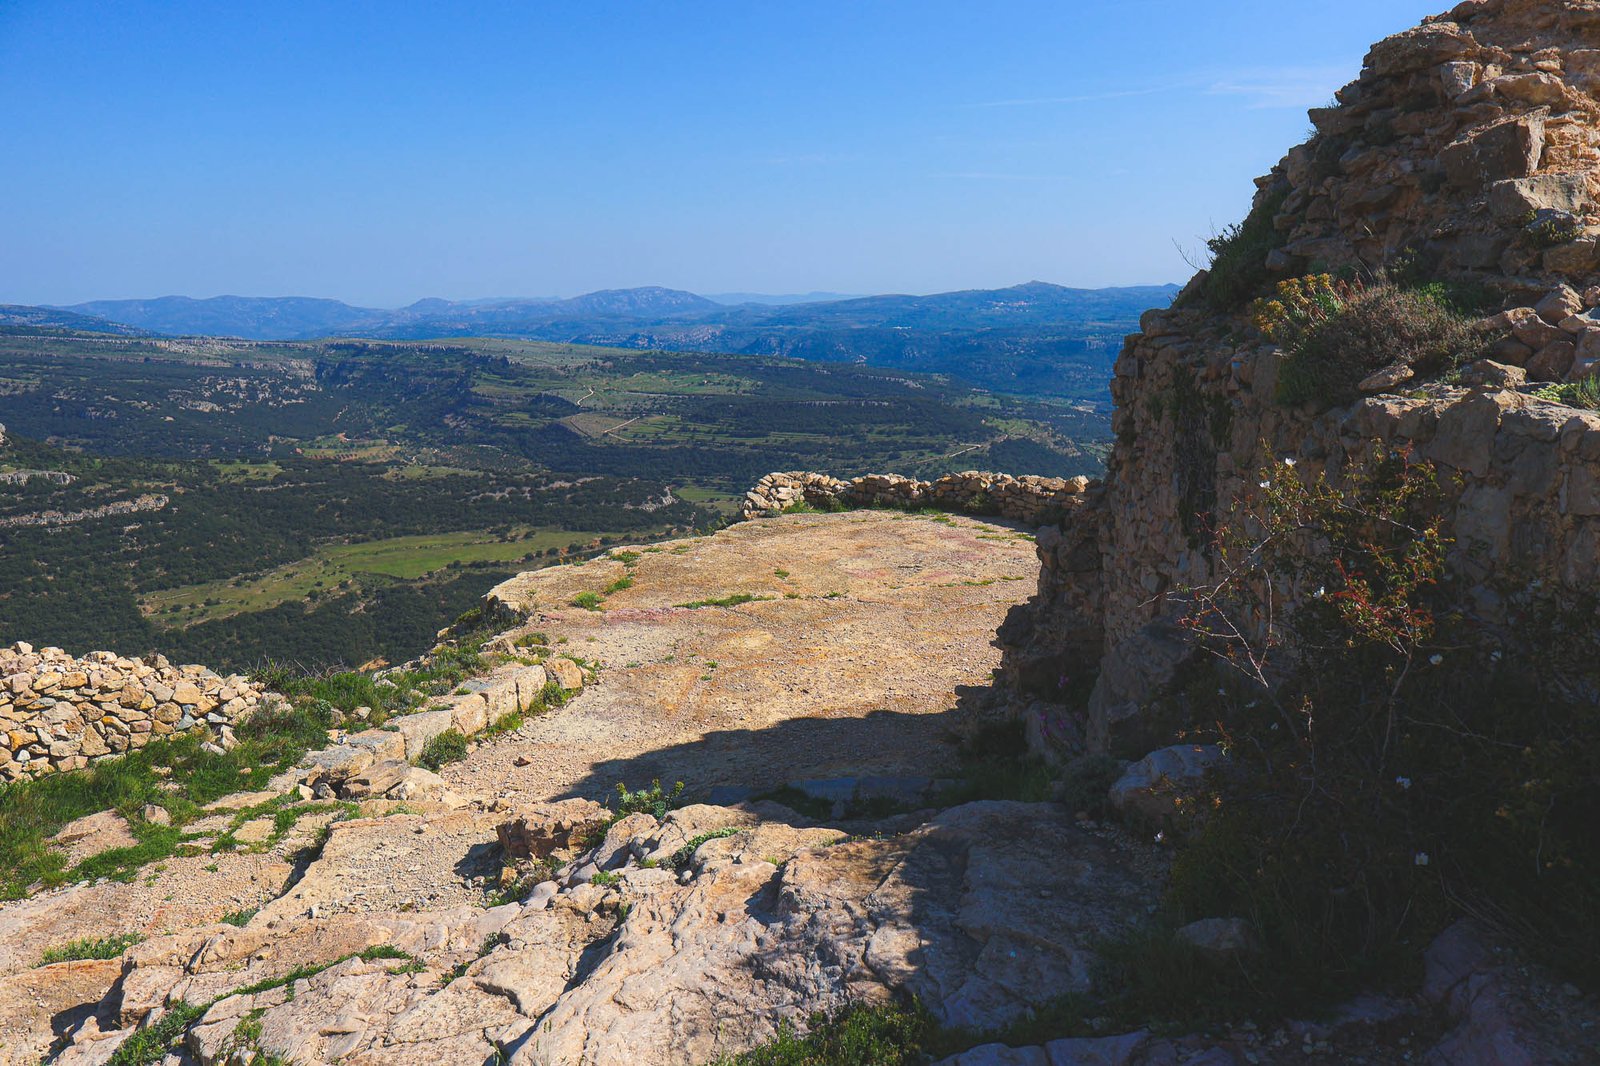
1028	498
59	712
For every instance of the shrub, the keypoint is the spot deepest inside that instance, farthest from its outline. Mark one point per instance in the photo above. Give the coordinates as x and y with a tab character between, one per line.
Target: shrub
857	1035
1338	335
1394	761
589	601
1238	269
650	800
449	746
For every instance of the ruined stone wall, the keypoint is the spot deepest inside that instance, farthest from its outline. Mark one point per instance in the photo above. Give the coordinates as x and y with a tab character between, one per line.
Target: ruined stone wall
1466	150
60	713
1030	499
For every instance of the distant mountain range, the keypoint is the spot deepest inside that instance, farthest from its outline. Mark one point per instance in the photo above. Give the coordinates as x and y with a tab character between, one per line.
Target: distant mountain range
1034	338
21	316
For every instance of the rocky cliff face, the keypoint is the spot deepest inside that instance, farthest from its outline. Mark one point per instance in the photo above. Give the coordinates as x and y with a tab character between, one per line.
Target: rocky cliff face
1465	152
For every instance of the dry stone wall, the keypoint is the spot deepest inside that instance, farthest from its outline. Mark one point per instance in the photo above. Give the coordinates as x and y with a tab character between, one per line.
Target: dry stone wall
1470	145
61	713
1030	499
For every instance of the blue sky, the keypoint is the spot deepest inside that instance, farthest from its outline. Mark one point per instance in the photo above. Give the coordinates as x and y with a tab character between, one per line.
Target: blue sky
381	152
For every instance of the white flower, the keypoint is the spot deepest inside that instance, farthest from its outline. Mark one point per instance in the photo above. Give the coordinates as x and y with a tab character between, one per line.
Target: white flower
1287	461
1161	837
1266	484
1435	659
1403	782
1421	858
1322	590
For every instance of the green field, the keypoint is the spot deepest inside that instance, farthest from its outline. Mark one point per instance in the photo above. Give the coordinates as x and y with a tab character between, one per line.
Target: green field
342	566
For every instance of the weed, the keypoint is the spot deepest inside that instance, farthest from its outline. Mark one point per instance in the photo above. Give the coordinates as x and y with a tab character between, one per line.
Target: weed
727	601
683	855
605	879
104	948
856	1035
150	1045
653	800
1238	268
1335	334
449	746
1583	393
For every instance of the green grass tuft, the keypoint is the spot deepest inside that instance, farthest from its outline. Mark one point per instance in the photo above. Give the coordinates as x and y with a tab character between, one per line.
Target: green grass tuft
88	948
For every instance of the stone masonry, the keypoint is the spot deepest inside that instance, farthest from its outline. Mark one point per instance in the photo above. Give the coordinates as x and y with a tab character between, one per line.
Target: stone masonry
1030	499
60	713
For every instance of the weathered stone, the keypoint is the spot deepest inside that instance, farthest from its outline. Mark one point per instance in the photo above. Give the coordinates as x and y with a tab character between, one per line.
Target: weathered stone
1488	374
1151	788
1515	199
419	728
565	673
546	828
1510	148
1386	378
472	713
1552	362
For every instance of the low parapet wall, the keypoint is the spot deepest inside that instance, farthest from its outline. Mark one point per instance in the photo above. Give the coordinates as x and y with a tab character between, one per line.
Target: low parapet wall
58	712
1030	499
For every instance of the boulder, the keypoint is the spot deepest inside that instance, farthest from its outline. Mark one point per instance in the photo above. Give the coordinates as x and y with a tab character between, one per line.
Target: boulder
545	828
419	728
1511	148
566	673
1488	374
1514	199
1149	789
1219	939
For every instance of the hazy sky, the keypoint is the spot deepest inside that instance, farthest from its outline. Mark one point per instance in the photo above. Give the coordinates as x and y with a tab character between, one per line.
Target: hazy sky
380	152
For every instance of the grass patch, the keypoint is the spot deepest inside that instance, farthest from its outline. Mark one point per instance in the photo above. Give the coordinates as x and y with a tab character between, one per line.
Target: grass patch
1584	394
150	1045
190	779
449	746
857	1035
727	601
589	601
89	948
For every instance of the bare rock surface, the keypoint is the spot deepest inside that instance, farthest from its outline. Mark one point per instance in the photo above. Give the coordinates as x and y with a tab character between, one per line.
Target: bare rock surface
850	663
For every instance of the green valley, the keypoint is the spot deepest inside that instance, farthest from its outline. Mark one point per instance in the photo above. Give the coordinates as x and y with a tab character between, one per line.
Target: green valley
332	502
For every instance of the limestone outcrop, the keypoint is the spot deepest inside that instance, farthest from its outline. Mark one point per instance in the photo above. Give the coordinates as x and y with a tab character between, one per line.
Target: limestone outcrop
1466	151
688	949
60	713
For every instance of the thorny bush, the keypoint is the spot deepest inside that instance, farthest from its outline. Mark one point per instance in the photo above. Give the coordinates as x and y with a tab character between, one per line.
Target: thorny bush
1395	759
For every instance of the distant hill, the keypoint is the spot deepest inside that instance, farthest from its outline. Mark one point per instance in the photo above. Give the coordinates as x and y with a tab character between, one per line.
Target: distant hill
1034	338
251	317
33	318
779	300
